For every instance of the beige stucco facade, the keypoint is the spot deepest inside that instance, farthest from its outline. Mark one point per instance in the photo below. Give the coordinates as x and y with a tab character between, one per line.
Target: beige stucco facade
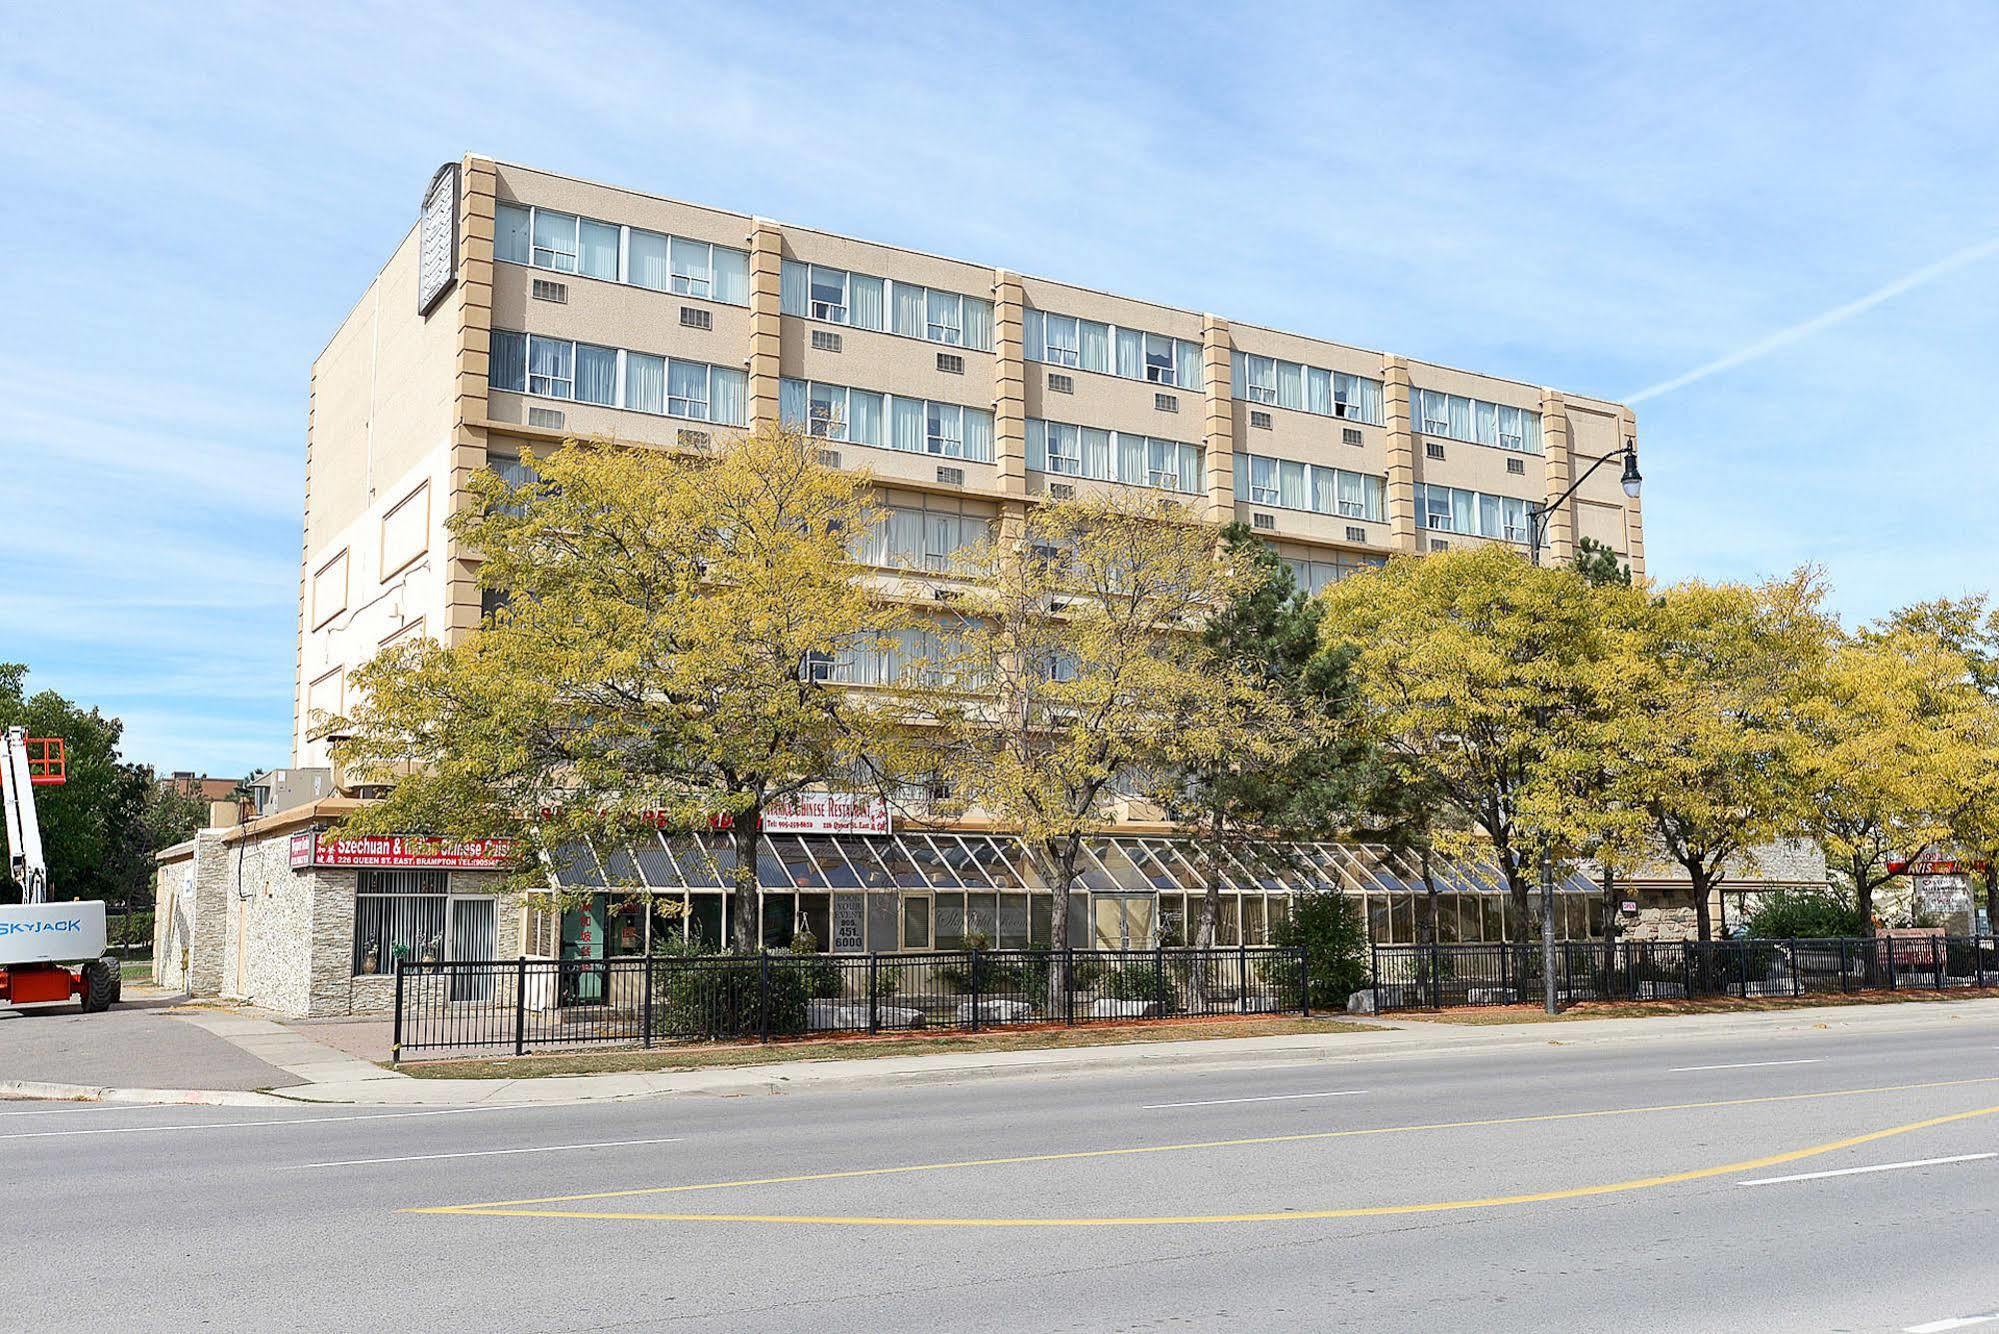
405	407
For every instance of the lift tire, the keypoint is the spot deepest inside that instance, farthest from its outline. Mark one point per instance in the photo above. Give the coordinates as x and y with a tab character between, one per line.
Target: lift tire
102	981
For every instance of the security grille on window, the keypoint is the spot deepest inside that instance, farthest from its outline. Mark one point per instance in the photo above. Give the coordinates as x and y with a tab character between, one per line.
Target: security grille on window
950	363
1433	450
951	476
1166	402
397	915
547	417
824	341
693	317
545	290
1349	435
1356	534
1062	384
1264	521
1518	467
1260	420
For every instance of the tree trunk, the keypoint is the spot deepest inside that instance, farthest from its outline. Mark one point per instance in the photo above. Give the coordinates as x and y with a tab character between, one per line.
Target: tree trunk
1211	897
1610	919
1524	927
1992	896
1703	888
1428	934
748	929
1863	898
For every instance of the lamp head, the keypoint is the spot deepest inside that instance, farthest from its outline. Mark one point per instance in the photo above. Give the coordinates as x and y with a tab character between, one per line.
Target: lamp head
1631	478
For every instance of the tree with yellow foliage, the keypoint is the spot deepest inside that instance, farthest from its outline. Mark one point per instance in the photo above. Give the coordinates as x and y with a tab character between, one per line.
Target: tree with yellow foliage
654	660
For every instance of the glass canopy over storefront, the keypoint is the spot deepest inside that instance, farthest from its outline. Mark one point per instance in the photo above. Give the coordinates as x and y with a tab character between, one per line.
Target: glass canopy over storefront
920	890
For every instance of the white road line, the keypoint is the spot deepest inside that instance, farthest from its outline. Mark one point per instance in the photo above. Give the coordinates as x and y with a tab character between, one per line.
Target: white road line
1741	1065
476	1153
1958	1322
1274	1097
1877	1167
290	1121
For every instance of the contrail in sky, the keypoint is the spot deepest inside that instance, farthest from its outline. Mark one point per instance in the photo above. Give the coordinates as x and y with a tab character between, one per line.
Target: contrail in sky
1837	315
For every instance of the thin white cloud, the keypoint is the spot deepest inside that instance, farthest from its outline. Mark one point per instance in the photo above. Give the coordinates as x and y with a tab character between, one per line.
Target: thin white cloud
1819	323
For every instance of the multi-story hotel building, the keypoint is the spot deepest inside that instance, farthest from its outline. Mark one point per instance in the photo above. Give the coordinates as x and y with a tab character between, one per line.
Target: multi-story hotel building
528	307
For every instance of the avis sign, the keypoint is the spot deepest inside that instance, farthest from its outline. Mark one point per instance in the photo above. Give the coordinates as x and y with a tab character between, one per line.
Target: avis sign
401	852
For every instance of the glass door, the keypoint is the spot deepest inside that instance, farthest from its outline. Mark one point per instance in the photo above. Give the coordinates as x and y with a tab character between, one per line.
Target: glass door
583	953
472	927
1122	923
916	921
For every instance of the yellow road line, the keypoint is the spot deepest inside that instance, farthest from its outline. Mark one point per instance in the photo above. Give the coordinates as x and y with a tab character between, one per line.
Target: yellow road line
1300	1138
1287	1216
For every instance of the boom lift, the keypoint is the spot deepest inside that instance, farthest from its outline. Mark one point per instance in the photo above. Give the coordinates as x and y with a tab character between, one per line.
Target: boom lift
49	952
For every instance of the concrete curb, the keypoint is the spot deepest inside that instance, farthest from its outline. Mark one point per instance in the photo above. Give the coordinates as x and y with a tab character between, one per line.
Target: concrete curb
28	1090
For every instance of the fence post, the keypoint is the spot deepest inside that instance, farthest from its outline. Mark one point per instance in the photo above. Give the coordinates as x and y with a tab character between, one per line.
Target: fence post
396	1041
1304	984
1436	982
521	1006
1891	961
763	996
1742	968
1506	969
1937	956
874	993
1159	978
1241	975
1374	973
1978	958
975	988
1069	983
645	1030
1796	988
1844	984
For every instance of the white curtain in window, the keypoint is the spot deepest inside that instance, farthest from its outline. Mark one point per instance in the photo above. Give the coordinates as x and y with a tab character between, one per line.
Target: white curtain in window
1530	430
1485	422
646	259
687	389
1187	364
945	429
909	310
1131	354
555	240
1513	513
1431	416
507	365
1263	479
907	423
1097	458
1033	334
865	417
732	276
1324	487
905	540
1262	380
687	262
1190	468
1369	397
864	301
1096	347
1291	485
511	235
827	411
793	283
1462	518
978	324
1064	451
791	402
1489	524
979	435
1062	339
600	250
1131	458
1290	385
1352	503
1037	445
1238	373
596	375
645	382
548	366
731	390
1460	410
1374	496
944	317
1241	474
1318	391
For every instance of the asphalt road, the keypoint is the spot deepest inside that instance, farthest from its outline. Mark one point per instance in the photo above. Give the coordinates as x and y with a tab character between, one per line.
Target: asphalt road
59	1044
1676	1185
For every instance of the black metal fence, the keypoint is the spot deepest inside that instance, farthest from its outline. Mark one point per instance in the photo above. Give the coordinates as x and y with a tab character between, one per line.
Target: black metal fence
1410	977
521	1005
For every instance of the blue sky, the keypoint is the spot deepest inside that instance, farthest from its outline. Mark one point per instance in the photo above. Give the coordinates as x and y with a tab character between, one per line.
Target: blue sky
1562	194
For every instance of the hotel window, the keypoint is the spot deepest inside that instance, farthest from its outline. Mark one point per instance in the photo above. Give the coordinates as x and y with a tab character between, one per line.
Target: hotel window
689	271
1064	346
1105	456
1473	513
944	429
645	259
866	417
1258	376
687	390
1064	340
645	382
551	367
565	243
826	412
1294	485
507	363
946	320
1159	365
596	375
1309	388
557	368
1476	421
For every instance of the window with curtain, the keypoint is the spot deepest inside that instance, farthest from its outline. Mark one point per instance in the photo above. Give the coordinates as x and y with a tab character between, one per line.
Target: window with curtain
1325	485
1191	457
864	301
1432	417
513	234
551	364
555	241
791	402
732	275
944	317
507	361
978	315
910	310
1261	373
1162	464
1130	354
1063	341
1096	345
1463	519
794	281
944	429
1460	417
599	257
864	421
1318	391
1034	334
688	267
908	425
1186	364
596	375
1485	422
1489	524
979	435
1374	493
1263	480
1099	460
1037	445
1159	367
1064	450
826	412
1291	484
1353	496
731	391
1290	385
645	382
1131	458
1513	518
687	389
646	259
829	294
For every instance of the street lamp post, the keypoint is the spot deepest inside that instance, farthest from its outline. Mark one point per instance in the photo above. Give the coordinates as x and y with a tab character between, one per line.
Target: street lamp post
1537	511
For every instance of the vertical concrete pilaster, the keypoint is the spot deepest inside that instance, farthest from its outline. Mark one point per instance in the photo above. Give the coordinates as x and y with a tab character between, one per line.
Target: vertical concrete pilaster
1218	434
1009	383
1403	521
766	320
1559	447
473	301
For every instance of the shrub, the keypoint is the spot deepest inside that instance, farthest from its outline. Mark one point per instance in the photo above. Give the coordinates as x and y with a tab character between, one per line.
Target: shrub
727	998
1139	980
1329	927
1806	914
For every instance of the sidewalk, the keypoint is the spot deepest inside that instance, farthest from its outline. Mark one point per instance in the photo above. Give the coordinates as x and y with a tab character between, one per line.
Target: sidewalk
326	1075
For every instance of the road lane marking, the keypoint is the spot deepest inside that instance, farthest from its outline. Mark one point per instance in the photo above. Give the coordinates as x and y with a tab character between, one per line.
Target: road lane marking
1741	1065
1302	1137
286	1121
1876	1167
476	1153
1272	1097
1286	1216
1958	1322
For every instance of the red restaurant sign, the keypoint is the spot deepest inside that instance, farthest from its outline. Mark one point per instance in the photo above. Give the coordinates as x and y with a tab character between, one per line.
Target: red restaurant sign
400	852
1900	866
820	813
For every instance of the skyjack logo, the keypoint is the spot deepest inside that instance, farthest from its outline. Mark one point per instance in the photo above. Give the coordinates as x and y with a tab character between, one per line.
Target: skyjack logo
72	924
